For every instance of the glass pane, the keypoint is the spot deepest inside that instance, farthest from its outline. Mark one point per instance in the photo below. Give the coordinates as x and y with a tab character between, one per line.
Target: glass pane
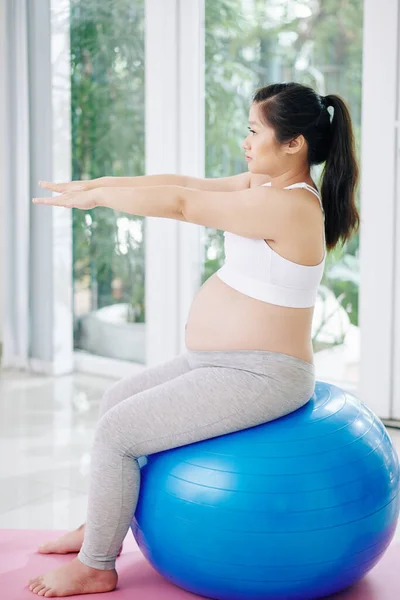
252	43
107	66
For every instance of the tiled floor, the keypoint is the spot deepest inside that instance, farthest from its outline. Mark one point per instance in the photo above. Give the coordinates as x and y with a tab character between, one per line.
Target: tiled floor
46	434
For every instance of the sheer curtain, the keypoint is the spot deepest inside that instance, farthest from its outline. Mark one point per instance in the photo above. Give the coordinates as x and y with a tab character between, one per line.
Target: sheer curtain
15	182
36	266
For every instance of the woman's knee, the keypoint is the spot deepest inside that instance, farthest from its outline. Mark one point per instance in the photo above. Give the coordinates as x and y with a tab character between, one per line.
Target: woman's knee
109	399
117	392
116	431
105	433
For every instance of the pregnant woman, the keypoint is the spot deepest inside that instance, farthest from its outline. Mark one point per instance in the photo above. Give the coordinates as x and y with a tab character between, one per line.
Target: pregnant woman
248	356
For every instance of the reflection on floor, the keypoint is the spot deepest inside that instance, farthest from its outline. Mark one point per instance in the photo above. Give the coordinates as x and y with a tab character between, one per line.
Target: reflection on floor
46	433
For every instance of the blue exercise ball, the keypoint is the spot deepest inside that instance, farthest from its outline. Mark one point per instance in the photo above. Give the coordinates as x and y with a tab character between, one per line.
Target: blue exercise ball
297	508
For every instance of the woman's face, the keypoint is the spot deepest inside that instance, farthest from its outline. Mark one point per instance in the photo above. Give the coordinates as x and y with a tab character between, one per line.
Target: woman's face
265	155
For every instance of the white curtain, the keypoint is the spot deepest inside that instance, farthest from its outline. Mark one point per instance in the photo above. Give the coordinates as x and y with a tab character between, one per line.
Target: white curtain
15	182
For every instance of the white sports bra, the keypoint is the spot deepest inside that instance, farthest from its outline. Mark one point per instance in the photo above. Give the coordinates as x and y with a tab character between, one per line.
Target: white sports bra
253	268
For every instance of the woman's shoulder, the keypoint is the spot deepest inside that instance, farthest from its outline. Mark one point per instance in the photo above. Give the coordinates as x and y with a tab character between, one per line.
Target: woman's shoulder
257	179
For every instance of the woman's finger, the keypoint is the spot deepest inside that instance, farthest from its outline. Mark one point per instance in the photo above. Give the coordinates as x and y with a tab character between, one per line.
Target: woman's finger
59	201
72	186
56	187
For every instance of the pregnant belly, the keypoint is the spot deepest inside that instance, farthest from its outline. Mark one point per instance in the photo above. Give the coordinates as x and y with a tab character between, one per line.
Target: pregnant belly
221	318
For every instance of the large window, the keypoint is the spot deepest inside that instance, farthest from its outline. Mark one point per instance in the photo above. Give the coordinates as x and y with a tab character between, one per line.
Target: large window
96	50
108	138
250	44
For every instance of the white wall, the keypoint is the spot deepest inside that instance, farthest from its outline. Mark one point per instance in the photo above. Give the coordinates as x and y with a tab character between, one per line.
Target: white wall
378	205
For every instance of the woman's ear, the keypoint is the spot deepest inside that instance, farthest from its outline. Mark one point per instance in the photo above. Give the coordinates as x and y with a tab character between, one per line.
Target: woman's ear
295	145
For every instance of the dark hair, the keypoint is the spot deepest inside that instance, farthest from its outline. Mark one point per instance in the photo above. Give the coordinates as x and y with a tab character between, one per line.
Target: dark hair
292	109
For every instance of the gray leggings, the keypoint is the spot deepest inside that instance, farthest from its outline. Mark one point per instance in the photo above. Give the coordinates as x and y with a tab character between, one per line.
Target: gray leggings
193	397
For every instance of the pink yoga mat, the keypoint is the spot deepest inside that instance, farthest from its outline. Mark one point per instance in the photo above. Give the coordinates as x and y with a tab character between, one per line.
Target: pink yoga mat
19	562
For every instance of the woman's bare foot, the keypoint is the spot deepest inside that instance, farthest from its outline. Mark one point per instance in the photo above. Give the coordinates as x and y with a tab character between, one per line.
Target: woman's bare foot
72	579
70	542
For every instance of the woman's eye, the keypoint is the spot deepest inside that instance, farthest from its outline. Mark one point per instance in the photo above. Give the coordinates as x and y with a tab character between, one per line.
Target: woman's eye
251	130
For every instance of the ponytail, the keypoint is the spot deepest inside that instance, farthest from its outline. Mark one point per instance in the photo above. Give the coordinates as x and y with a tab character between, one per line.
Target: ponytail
340	176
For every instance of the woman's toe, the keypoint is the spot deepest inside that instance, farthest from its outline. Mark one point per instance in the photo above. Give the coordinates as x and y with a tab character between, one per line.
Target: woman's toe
37	588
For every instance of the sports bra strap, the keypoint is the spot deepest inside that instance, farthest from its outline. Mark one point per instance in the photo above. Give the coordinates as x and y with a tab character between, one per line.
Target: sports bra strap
308	187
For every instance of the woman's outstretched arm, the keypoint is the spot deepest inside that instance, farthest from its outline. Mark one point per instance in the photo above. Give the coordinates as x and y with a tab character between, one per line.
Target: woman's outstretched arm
258	212
232	183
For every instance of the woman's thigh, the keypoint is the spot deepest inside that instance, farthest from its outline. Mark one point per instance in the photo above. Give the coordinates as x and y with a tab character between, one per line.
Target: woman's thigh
139	382
200	404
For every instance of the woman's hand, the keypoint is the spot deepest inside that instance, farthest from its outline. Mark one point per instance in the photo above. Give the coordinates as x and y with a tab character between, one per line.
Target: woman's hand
73	186
84	200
